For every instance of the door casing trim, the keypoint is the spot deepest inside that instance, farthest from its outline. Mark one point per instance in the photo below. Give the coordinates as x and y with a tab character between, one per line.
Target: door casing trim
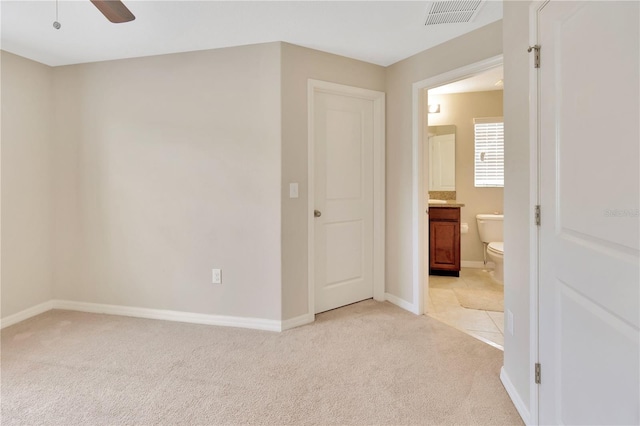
379	155
534	199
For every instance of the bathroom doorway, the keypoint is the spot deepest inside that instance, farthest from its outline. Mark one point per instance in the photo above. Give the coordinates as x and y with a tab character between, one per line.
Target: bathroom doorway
447	105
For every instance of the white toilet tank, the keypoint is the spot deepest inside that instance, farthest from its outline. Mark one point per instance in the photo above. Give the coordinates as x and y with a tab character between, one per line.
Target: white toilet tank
490	227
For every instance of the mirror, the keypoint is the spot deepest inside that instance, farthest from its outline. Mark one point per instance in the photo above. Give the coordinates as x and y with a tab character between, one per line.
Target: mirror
442	158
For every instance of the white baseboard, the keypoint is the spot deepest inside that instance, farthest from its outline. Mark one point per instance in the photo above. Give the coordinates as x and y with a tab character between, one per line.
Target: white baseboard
479	264
297	321
178	316
161	314
402	303
515	397
158	314
26	314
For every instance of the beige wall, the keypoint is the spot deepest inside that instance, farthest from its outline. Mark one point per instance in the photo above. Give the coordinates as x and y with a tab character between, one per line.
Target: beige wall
517	192
298	65
26	183
167	167
460	109
470	48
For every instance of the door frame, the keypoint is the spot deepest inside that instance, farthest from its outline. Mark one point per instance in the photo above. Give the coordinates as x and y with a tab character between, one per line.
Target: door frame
379	159
534	200
420	203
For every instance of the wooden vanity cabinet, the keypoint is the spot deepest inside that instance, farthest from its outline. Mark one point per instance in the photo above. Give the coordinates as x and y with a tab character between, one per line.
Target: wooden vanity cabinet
444	241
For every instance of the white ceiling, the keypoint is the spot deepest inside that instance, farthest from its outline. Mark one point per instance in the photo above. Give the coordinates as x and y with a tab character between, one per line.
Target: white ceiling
482	82
380	32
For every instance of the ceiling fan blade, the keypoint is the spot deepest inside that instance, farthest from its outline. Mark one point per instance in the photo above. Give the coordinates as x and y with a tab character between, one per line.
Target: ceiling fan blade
114	10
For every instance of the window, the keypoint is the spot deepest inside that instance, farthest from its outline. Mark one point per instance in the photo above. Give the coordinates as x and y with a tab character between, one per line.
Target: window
489	157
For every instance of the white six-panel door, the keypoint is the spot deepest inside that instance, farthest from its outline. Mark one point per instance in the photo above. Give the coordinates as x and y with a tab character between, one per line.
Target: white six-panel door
343	193
589	279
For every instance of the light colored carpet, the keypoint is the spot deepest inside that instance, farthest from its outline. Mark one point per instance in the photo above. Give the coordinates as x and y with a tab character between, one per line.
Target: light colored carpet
367	363
482	299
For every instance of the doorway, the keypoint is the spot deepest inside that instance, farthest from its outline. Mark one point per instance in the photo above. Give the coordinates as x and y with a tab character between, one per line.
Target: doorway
464	158
420	203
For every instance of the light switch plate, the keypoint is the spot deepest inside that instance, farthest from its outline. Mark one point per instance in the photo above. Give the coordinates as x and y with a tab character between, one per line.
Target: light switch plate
510	322
217	276
293	190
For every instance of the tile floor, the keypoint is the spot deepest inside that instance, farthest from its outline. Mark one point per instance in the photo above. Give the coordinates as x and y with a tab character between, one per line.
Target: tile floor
443	305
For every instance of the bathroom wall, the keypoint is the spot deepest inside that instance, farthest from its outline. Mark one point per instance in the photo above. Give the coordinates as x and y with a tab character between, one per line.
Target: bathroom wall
460	109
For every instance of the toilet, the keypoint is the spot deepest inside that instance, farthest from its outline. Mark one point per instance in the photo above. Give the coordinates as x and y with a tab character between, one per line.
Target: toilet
490	230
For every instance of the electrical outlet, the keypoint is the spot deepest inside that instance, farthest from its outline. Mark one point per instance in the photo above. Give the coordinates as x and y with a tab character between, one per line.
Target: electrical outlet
510	322
217	276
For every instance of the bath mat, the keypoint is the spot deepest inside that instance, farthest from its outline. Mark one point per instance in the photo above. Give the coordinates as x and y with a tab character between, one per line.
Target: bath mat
476	298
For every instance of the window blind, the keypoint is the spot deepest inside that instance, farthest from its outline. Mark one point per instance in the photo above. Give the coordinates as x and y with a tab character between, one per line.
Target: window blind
489	151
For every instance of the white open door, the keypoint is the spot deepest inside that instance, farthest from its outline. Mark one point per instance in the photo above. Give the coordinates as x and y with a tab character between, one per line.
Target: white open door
589	279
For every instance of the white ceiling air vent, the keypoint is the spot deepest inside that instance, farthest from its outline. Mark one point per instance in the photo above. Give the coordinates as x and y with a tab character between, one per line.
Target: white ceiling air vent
453	12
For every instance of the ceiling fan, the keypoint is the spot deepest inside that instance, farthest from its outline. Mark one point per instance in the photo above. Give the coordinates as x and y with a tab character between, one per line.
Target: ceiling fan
114	10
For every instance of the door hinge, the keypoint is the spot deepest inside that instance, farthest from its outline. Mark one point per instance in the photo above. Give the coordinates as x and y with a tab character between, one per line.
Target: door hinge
536	50
538	374
537	215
